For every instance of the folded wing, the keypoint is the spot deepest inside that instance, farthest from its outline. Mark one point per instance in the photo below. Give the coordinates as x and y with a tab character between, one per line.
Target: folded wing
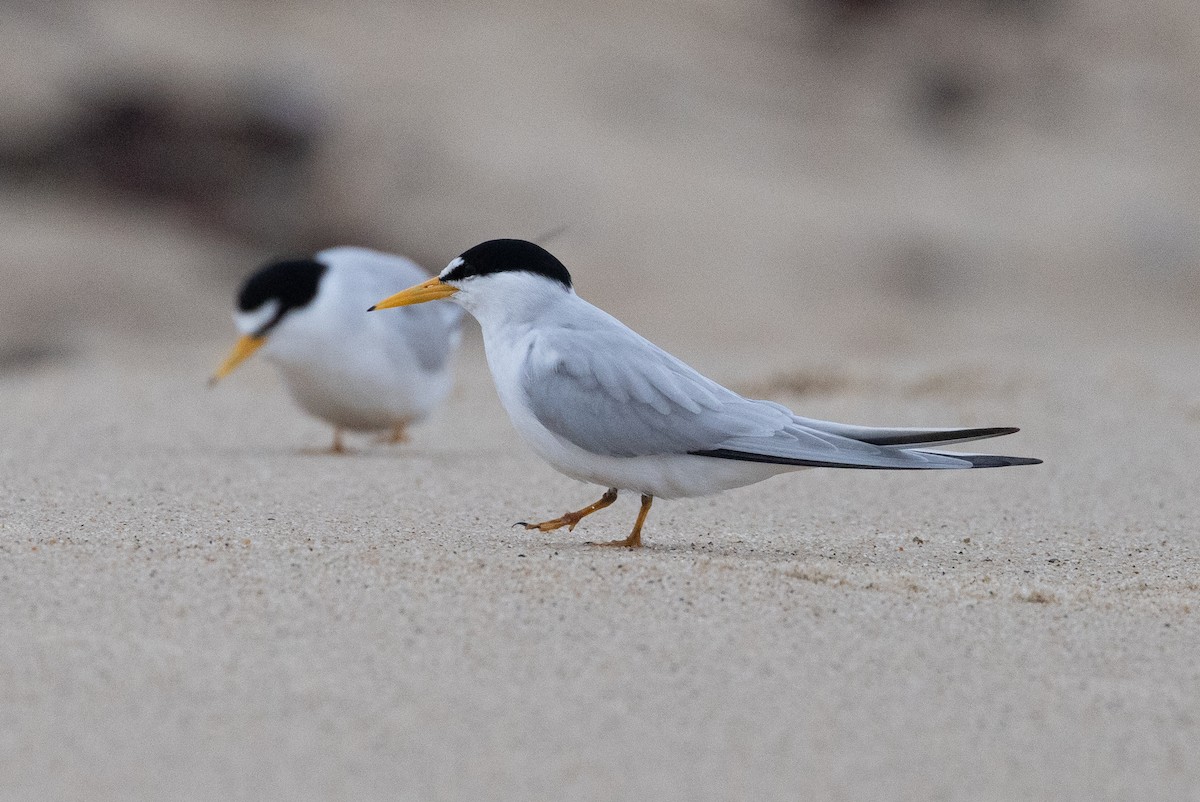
611	392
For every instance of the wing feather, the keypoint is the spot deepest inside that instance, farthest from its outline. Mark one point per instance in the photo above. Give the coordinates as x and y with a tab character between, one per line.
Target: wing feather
609	391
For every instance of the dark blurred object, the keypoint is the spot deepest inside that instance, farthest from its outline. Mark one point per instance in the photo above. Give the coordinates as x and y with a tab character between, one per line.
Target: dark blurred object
945	100
236	160
950	61
850	11
22	357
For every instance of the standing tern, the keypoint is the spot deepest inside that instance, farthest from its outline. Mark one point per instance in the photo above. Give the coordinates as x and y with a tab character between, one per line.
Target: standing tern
358	372
604	405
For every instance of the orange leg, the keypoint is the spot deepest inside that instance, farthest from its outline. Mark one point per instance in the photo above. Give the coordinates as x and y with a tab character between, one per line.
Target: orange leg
634	541
399	434
571	518
336	447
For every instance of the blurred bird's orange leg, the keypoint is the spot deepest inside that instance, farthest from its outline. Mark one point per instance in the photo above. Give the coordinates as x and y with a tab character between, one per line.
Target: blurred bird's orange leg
399	434
336	447
571	518
634	541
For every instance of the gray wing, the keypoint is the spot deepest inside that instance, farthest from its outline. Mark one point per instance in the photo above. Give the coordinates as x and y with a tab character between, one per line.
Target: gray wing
611	392
432	330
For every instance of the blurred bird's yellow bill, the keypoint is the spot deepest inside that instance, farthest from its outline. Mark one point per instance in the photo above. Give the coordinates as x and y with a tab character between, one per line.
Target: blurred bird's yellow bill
243	349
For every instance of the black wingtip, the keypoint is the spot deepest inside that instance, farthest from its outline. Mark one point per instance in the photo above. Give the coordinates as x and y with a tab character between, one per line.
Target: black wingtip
924	438
993	461
975	460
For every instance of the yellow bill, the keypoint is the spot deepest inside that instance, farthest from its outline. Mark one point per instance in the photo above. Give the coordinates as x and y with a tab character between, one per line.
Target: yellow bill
431	290
242	350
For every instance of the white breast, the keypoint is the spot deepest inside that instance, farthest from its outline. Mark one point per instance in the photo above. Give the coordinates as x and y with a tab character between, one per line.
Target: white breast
663	476
355	369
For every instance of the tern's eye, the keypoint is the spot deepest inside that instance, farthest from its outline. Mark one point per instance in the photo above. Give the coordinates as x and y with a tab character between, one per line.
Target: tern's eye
457	270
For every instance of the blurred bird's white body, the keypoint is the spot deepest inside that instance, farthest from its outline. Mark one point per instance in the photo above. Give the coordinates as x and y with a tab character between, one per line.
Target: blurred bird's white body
358	371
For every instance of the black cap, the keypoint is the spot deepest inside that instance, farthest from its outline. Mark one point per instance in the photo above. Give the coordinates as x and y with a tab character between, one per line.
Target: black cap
291	283
508	256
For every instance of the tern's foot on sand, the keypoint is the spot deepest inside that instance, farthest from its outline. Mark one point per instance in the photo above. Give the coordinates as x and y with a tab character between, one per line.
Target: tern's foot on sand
569	519
634	541
398	434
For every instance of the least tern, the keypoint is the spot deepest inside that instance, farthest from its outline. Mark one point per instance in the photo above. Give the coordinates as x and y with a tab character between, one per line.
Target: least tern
356	371
604	405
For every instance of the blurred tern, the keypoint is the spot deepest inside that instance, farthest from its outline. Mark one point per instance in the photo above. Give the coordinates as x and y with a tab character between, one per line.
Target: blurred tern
356	371
603	405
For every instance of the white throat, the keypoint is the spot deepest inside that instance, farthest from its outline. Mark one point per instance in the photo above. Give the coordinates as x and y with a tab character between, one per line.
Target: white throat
252	322
511	299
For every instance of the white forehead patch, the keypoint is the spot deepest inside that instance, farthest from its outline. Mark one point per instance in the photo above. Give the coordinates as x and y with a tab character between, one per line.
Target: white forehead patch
252	322
455	262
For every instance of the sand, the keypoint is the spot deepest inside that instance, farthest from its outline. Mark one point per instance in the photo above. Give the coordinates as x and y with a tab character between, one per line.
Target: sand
192	607
196	609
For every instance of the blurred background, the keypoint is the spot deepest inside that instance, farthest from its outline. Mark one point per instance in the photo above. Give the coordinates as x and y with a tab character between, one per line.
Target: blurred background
779	177
892	212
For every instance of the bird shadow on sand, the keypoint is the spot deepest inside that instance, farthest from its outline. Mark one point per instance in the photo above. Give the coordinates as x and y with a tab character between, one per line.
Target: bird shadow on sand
708	548
375	452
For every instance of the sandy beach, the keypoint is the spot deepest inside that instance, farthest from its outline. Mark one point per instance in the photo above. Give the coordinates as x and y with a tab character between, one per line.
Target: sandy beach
197	609
193	606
